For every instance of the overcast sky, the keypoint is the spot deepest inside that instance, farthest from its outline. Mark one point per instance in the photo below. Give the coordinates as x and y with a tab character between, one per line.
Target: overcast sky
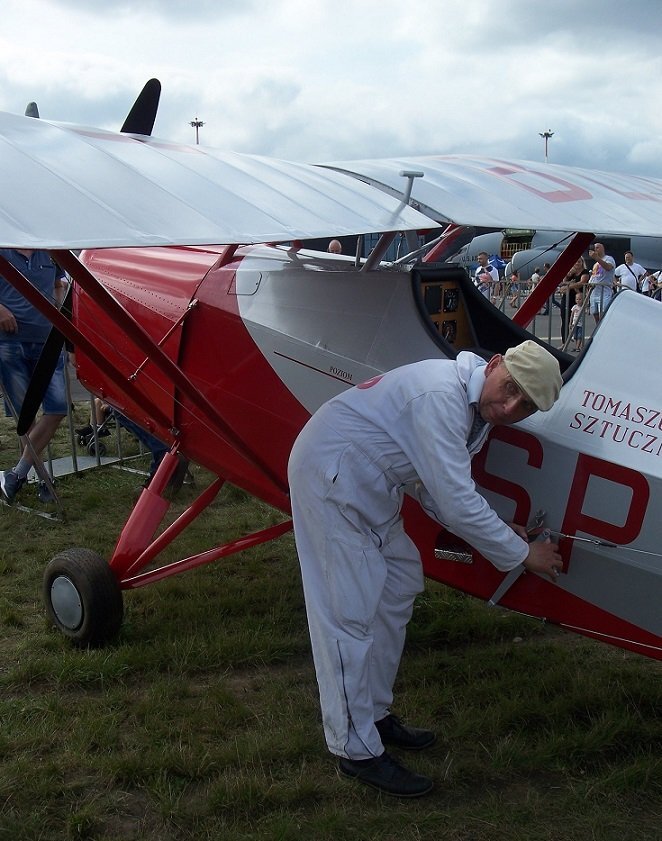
321	80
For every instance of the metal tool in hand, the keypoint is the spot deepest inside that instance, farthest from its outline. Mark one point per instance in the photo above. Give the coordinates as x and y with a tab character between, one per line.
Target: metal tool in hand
512	576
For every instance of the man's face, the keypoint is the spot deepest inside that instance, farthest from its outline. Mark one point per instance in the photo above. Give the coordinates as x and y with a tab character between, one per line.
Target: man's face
629	259
482	259
599	250
501	400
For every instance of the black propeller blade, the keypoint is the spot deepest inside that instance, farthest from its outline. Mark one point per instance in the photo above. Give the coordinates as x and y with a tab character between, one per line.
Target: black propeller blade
141	117
43	372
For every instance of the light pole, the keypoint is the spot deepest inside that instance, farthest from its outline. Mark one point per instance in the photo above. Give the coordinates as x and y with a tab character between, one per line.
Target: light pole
546	135
197	125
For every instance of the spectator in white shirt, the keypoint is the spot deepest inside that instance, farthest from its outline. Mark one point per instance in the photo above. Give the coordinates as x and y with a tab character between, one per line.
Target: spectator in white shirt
629	274
485	275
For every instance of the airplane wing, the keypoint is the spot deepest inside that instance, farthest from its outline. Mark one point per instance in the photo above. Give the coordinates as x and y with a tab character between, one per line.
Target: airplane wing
497	193
66	186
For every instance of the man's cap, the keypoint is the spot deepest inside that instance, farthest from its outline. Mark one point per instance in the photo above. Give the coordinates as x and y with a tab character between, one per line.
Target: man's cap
536	372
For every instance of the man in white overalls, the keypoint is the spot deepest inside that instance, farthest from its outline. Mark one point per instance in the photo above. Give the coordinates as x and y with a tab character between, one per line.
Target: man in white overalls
416	426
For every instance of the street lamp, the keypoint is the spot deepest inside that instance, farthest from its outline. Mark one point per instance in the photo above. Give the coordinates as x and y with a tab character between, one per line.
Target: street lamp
197	125
546	135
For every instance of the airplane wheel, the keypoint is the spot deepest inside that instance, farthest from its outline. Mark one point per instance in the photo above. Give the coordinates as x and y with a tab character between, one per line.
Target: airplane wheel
92	449
83	597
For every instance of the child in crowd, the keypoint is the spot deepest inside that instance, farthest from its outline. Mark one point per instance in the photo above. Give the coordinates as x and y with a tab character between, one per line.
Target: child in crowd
576	327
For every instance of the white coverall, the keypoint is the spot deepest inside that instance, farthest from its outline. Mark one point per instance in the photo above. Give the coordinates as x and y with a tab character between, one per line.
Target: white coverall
361	572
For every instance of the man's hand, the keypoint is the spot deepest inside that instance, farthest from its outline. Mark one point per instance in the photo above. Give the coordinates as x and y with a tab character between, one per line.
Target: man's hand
7	321
544	558
520	530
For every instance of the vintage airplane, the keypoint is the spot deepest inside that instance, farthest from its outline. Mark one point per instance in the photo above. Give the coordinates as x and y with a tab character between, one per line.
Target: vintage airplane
189	317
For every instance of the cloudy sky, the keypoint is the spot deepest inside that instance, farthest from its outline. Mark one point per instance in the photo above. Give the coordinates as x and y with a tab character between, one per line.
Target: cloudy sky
320	80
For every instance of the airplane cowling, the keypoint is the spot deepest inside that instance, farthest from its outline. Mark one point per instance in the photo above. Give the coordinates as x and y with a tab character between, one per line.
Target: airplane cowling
184	299
156	288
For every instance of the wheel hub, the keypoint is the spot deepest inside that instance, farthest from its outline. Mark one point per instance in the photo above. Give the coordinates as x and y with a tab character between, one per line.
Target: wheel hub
66	602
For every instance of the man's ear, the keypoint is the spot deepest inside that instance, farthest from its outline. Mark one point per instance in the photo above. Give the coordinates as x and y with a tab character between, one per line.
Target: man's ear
494	362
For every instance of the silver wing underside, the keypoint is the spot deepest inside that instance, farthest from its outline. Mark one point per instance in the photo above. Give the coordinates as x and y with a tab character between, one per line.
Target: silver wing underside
65	186
497	193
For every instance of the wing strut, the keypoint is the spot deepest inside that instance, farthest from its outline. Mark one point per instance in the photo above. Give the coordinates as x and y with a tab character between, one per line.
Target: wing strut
163	362
566	260
62	323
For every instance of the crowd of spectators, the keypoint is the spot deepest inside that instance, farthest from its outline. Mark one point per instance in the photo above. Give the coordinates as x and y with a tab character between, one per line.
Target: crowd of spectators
592	283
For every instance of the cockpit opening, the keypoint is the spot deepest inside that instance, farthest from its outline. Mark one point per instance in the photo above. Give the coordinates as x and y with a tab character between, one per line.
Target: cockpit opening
459	317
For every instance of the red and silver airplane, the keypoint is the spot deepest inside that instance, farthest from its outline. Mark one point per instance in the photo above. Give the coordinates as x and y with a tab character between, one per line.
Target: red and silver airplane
198	313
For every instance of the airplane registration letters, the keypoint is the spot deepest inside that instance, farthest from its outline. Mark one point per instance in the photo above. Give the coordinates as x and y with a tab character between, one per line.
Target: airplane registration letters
574	518
527	178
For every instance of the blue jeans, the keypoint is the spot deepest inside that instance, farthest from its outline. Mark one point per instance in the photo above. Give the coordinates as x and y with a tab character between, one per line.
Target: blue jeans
17	363
157	448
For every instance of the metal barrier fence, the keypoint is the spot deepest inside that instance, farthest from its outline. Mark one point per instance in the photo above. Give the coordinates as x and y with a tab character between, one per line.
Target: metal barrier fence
95	451
550	324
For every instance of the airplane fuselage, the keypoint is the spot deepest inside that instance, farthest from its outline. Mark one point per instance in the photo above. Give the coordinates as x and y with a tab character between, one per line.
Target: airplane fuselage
269	334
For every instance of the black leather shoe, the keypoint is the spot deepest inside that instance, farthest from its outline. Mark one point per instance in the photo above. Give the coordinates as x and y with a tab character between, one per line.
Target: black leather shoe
386	774
393	732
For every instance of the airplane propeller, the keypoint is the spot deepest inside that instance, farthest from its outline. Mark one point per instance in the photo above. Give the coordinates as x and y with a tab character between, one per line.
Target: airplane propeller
141	117
139	120
43	372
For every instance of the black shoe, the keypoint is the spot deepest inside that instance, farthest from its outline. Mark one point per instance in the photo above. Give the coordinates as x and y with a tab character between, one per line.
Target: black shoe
88	431
386	774
393	732
10	484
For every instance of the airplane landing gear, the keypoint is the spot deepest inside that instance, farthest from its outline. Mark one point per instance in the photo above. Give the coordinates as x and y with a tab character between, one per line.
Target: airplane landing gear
83	597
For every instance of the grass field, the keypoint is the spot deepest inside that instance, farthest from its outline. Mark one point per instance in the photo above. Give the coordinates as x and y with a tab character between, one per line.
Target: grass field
202	722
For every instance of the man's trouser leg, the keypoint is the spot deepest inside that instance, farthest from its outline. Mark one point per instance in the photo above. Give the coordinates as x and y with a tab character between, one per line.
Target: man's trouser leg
343	581
404	581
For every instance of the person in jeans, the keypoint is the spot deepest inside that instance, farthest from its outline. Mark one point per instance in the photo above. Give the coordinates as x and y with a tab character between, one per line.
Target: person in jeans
23	333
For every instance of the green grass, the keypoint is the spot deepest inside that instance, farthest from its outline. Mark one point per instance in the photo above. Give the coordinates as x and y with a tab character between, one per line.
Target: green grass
201	721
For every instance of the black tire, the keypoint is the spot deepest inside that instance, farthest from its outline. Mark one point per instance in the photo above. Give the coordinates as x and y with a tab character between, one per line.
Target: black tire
92	448
83	598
